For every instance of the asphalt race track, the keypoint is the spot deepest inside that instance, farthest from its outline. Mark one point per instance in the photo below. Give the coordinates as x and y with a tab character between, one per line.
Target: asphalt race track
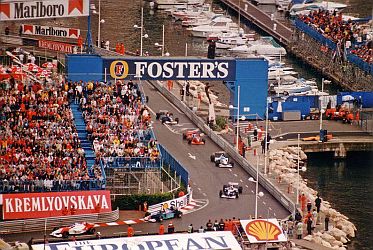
205	178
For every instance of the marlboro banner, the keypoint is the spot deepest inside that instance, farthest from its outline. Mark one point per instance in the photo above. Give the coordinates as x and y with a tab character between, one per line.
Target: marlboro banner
24	10
56	46
38	30
40	205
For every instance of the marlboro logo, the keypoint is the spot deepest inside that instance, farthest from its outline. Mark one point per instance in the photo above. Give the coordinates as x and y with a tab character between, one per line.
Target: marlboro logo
43	9
40	30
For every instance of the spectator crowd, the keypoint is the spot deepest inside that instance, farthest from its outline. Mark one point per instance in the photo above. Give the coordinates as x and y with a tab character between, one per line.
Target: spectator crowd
342	32
39	145
117	122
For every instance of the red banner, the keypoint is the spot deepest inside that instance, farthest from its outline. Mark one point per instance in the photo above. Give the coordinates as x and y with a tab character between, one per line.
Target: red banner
56	46
40	205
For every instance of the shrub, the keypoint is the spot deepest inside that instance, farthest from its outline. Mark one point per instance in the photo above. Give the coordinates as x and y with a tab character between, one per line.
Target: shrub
132	202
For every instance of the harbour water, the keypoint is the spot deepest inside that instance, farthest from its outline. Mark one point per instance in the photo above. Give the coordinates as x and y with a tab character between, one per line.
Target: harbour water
347	185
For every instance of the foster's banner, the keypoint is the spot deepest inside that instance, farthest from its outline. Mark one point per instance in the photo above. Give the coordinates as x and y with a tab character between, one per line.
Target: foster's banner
149	68
24	10
40	205
39	30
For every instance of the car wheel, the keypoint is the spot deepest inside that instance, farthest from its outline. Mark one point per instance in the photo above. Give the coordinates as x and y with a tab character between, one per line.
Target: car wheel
189	141
184	136
157	116
92	231
240	190
225	186
236	195
160	219
177	120
220	193
232	164
204	141
65	235
212	158
55	228
217	163
179	215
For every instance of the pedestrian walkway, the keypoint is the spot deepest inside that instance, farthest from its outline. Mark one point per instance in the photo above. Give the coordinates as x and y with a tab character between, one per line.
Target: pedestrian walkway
82	134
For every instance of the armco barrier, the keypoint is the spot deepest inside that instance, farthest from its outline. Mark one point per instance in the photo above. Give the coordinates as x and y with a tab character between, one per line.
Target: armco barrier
33	225
273	190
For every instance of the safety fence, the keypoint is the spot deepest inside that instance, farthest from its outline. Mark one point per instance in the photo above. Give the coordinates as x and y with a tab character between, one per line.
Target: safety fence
131	163
30	186
221	142
316	35
33	225
174	165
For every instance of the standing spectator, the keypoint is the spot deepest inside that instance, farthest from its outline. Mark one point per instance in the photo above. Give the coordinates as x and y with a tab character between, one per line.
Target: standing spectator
255	133
318	203
314	218
207	88
170	85
170	228
130	231
309	206
107	45
201	230
209	226
309	226
190	228
221	225
161	229
216	225
299	226
298	216
326	221
7	31
263	144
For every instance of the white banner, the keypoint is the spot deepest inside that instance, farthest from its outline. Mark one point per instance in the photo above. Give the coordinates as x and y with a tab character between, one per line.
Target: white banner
195	241
263	230
39	30
24	10
175	203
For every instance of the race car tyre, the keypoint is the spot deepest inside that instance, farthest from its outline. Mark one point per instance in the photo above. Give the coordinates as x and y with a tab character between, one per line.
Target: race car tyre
225	186
217	163
157	115
232	164
212	158
147	214
177	120
65	235
179	215
92	231
240	189
55	228
204	141
220	193
189	141
184	136
160	219
236	196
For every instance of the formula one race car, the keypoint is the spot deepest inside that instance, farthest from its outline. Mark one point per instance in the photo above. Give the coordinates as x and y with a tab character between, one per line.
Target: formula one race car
196	139
188	134
221	160
76	229
164	215
230	191
166	117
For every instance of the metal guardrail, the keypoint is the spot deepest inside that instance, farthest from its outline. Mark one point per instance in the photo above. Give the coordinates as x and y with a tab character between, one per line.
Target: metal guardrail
221	142
132	163
32	225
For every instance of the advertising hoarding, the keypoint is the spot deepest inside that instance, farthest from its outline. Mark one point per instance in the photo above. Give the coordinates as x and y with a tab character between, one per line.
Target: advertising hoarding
195	241
40	205
25	10
39	30
263	230
56	46
155	68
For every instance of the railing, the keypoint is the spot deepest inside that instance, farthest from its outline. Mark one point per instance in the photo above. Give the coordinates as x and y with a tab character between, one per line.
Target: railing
221	142
175	165
20	186
33	225
131	163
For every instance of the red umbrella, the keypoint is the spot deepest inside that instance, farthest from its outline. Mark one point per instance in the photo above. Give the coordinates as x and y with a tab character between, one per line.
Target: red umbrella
31	66
44	73
16	69
49	65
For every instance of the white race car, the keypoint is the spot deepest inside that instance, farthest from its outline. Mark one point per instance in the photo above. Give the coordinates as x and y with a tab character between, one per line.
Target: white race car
221	160
230	191
166	117
76	229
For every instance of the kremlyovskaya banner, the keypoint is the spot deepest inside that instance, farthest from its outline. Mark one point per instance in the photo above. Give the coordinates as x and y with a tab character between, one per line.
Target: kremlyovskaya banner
24	10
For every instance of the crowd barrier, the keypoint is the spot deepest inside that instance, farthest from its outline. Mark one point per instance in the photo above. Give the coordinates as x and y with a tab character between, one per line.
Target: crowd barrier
299	24
33	225
26	186
221	142
131	163
175	203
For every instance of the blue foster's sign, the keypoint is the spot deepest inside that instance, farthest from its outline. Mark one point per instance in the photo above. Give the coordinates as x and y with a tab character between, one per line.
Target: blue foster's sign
170	68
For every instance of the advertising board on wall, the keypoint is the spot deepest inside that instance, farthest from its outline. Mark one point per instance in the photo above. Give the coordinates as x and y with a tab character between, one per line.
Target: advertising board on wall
56	46
40	205
39	30
263	230
195	241
175	203
25	10
152	68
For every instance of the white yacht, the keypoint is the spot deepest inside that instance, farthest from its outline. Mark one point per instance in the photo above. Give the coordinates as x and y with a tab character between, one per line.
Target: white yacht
220	24
259	49
194	12
302	8
231	39
204	19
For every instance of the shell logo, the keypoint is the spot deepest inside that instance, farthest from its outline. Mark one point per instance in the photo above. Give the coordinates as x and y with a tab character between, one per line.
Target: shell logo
165	206
263	230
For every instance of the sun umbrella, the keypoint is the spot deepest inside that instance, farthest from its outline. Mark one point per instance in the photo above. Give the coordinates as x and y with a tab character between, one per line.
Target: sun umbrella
31	66
49	65
16	69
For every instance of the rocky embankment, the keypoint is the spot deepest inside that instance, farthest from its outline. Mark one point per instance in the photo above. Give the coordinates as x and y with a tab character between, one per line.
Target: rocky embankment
283	162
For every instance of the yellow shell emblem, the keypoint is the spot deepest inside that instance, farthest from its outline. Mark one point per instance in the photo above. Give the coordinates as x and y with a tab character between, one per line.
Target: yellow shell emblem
263	230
